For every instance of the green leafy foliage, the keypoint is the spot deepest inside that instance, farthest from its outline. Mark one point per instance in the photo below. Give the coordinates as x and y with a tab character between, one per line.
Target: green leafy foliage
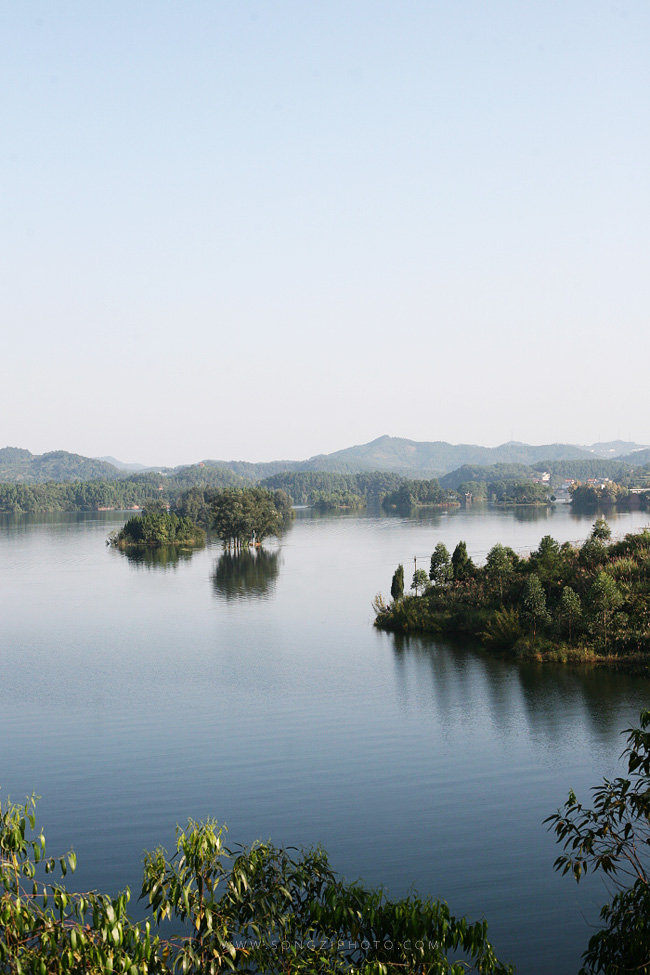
534	602
613	836
502	629
420	581
246	516
261	909
440	567
499	567
605	598
570	611
44	928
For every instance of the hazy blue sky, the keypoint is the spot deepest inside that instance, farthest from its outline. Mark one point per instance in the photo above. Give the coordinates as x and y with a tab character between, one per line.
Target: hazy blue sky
270	229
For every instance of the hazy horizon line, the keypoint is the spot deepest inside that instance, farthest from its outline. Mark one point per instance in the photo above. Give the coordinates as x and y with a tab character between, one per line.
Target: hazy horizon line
206	458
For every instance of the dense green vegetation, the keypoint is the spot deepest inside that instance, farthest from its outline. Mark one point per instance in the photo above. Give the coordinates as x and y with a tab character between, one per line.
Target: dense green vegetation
608	495
582	470
403	458
493	473
74	496
267	909
158	528
260	909
507	483
136	490
498	483
328	490
613	836
246	516
337	501
597	495
506	492
238	516
67	482
563	603
197	475
419	494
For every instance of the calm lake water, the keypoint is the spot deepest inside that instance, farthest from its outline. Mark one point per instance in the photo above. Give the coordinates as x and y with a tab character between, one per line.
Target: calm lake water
136	694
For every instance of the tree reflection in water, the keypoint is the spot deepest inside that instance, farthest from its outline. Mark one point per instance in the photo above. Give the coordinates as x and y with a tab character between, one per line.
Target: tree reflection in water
246	575
164	557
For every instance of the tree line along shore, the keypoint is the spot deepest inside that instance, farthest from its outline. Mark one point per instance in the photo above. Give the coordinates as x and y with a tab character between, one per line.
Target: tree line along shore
618	484
584	604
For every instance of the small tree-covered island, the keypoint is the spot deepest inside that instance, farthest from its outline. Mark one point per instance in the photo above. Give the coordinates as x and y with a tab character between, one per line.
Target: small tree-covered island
586	604
240	517
158	528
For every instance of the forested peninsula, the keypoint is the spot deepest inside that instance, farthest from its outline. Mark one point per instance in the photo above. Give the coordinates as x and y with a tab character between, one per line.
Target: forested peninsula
586	604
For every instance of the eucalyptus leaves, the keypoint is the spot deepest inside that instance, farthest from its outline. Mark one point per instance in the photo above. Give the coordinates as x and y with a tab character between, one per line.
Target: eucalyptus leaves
260	909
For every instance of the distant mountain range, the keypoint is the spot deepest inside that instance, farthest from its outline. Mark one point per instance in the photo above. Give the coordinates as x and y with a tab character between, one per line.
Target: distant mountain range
615	449
408	457
639	458
121	466
437	457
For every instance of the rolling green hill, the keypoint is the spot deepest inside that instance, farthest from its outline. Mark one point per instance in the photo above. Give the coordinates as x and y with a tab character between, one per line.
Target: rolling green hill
22	467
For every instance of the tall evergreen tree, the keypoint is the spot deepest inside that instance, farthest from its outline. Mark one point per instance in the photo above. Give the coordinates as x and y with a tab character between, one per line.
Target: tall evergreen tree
461	563
397	585
535	602
498	566
601	530
570	609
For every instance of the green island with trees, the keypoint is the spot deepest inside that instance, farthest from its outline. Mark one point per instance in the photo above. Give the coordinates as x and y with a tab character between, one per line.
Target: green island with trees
239	517
244	517
277	911
156	527
586	604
